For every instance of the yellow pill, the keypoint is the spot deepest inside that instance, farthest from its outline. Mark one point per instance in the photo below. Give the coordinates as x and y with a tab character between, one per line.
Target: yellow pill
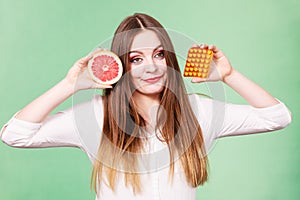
191	69
199	55
207	61
200	69
197	60
199	74
189	60
192	64
188	64
190	55
196	64
191	50
202	60
190	73
199	50
205	70
203	75
194	73
194	54
187	69
201	65
207	56
203	55
209	52
193	59
204	51
206	66
196	69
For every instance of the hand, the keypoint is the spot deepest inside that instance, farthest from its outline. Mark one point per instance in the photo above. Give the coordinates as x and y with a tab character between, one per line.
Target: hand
220	66
79	77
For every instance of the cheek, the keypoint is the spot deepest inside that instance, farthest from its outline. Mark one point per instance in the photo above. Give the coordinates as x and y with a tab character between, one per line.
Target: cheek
163	62
137	72
163	66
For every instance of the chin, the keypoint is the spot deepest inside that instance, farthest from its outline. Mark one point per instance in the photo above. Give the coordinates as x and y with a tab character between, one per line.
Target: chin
151	89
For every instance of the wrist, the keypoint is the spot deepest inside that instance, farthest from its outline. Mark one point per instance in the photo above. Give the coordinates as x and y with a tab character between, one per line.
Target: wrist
228	77
67	87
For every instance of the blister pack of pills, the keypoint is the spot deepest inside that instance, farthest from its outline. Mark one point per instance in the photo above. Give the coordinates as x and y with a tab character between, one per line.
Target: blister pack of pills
198	62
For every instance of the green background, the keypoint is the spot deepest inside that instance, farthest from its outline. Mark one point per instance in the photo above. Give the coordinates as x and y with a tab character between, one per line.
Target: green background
40	40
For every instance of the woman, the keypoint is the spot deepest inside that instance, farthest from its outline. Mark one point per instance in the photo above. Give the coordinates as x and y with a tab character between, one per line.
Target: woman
144	114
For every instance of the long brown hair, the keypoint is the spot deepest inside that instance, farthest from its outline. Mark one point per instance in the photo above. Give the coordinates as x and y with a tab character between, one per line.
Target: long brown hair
178	127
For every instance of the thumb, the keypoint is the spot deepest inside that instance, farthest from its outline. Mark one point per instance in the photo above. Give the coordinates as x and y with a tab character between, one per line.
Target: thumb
102	86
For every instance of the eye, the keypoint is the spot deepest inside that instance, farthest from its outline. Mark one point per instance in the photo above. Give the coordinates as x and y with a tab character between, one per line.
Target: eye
135	60
160	55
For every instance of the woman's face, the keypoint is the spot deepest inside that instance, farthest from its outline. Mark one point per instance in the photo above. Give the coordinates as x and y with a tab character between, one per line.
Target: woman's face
148	66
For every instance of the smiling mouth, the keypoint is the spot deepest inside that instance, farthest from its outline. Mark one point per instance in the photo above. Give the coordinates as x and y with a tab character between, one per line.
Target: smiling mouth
153	80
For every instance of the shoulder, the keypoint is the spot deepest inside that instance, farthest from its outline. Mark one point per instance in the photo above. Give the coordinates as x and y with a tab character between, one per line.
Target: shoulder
87	101
202	106
88	107
207	110
199	98
201	102
98	100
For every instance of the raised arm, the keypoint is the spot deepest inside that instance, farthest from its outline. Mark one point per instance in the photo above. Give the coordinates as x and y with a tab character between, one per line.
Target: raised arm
221	70
33	127
263	114
76	79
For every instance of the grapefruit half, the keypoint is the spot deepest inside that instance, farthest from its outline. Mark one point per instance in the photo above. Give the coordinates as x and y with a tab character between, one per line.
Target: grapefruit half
105	67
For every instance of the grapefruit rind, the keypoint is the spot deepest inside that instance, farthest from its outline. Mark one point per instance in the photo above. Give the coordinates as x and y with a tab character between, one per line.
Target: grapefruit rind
103	52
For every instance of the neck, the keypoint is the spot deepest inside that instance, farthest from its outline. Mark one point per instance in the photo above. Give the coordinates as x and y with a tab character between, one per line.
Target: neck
147	105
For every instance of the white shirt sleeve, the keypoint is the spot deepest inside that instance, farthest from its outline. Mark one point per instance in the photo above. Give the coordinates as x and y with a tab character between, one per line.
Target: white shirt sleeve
67	128
56	130
218	119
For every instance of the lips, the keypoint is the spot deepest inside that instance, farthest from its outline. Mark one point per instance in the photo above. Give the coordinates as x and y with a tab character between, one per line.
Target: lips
153	80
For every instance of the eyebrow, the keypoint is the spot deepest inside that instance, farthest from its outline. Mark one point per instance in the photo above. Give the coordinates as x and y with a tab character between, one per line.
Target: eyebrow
135	51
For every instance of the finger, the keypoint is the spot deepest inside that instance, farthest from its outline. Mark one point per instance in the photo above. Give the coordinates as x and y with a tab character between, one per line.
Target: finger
217	52
102	86
215	49
84	60
203	46
88	57
212	47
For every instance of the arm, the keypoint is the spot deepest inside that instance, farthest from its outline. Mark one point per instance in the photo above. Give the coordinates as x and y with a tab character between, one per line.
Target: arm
33	127
251	92
219	119
264	113
39	109
76	79
221	70
79	126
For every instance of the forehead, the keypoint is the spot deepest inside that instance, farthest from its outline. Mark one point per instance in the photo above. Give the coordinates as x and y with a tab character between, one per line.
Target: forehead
146	39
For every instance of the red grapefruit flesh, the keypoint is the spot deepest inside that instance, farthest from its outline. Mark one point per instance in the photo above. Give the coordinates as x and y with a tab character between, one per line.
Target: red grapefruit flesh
105	67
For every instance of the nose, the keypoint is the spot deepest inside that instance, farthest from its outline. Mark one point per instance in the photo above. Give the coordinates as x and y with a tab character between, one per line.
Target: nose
150	65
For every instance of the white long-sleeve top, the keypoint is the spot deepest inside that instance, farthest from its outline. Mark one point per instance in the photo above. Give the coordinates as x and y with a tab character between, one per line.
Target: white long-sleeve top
81	126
